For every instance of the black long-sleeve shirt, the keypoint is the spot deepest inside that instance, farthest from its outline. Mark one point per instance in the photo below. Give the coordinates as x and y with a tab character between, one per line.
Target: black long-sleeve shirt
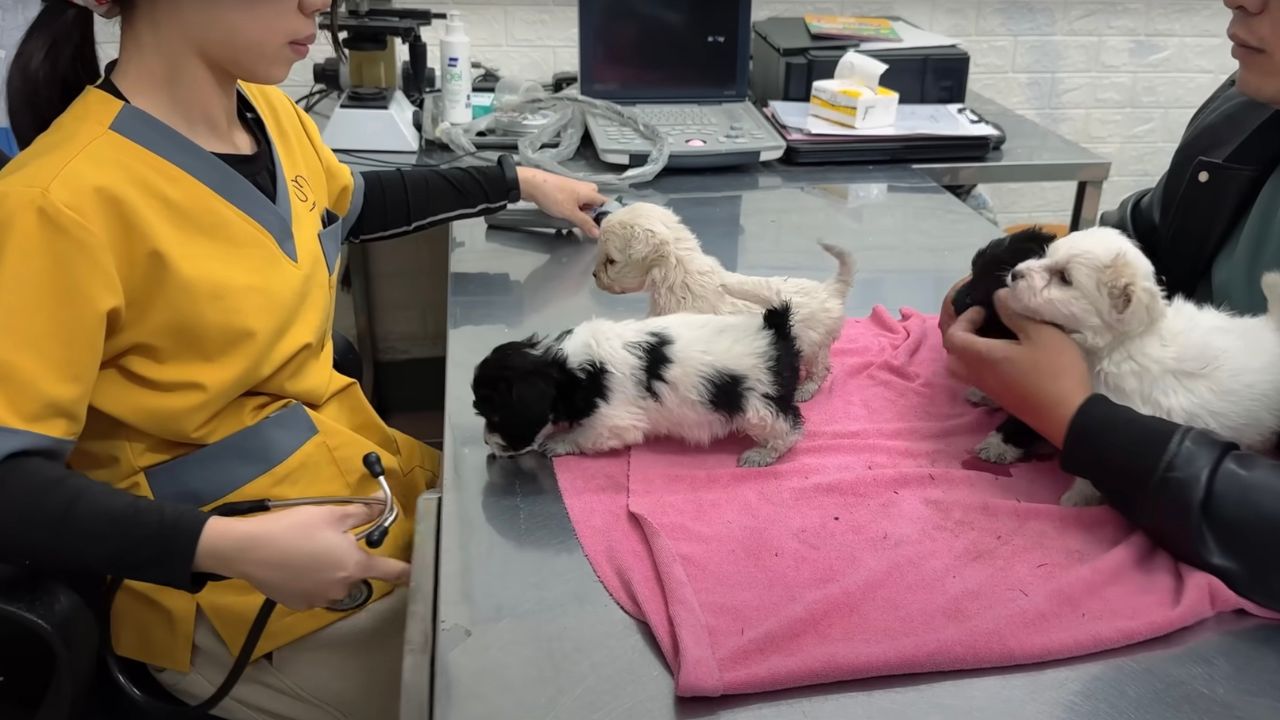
55	519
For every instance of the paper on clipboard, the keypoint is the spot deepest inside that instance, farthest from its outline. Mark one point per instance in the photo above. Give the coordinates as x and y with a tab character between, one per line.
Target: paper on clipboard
913	119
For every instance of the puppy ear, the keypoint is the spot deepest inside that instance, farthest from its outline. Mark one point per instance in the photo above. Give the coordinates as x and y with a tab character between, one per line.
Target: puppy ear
534	393
1120	293
647	243
1135	299
1119	284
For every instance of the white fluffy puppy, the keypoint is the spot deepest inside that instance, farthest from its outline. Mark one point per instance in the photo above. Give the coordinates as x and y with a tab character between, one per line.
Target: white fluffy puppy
646	247
611	384
1188	363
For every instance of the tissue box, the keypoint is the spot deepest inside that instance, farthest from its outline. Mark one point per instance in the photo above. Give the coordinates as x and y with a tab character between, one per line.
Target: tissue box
857	106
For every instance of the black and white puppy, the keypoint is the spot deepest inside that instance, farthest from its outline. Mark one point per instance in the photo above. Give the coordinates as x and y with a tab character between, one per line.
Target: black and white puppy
611	384
991	265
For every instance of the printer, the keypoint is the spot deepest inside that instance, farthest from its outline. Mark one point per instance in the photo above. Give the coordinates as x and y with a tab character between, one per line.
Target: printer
786	60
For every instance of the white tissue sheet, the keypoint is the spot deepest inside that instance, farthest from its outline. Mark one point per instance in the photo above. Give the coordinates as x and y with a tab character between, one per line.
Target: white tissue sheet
858	69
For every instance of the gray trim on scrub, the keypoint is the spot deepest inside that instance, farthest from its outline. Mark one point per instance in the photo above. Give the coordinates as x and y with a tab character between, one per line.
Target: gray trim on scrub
214	471
14	441
148	132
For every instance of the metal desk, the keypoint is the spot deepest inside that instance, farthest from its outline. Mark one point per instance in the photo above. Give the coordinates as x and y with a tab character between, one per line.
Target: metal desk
523	629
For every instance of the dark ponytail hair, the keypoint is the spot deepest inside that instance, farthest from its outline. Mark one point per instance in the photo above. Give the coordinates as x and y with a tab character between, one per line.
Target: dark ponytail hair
55	61
335	33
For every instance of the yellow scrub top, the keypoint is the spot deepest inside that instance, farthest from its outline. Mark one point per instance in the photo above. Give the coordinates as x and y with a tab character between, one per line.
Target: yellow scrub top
168	329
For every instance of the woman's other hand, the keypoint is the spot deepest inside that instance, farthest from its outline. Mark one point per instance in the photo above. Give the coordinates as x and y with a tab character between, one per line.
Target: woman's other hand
1042	378
562	197
303	557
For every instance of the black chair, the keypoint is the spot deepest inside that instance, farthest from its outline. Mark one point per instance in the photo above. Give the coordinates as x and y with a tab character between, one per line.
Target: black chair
46	629
50	636
346	358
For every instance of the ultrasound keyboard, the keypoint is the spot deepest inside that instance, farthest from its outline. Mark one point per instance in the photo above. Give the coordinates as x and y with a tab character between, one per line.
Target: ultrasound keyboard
700	135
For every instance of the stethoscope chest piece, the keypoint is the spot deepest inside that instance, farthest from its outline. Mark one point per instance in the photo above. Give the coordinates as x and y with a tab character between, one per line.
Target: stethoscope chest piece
359	596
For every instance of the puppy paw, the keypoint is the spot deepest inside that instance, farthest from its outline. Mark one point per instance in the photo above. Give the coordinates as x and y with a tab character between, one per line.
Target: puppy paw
559	447
995	450
806	391
1081	494
757	457
978	398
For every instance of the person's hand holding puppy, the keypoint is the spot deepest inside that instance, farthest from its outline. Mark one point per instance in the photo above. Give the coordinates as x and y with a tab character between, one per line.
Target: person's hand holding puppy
1042	378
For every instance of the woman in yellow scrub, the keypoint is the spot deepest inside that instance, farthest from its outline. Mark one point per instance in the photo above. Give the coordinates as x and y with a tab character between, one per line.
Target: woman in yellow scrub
169	243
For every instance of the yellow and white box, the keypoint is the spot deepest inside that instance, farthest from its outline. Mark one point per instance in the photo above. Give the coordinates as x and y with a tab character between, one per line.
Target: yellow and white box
855	97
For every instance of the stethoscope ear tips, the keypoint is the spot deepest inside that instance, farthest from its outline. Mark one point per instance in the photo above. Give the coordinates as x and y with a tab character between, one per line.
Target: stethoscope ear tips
373	463
376	537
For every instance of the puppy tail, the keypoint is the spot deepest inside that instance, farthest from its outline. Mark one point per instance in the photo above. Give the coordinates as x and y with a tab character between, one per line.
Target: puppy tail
847	266
1271	290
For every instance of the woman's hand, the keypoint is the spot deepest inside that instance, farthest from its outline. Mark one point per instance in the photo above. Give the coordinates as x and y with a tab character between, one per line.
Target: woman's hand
947	315
562	197
303	557
1042	378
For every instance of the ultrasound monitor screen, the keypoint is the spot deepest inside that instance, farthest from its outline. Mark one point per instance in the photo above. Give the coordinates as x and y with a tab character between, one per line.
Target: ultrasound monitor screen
664	49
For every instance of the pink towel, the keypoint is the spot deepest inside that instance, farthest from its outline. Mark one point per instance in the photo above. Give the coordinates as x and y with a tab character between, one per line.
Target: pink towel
879	546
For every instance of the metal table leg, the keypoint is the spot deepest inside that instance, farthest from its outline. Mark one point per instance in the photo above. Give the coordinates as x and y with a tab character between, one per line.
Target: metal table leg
1084	214
417	672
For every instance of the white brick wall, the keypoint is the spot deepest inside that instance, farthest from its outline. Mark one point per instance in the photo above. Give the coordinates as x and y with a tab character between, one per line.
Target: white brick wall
1120	77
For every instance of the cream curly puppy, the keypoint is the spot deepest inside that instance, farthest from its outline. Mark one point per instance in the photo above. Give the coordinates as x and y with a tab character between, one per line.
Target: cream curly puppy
1188	363
646	247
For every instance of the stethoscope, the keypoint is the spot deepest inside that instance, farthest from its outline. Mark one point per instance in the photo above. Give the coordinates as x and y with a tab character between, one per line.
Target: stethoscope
372	536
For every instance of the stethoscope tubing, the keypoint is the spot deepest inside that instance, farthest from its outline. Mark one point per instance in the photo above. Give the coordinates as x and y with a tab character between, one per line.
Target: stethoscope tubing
373	536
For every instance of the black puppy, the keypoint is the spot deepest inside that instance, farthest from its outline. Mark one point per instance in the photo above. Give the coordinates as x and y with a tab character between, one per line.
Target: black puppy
1012	439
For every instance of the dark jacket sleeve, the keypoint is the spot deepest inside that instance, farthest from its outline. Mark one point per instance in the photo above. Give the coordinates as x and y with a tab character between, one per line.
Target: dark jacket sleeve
1206	501
403	201
55	520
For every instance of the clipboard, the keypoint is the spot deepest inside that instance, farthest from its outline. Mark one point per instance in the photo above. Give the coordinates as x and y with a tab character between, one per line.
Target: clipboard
975	138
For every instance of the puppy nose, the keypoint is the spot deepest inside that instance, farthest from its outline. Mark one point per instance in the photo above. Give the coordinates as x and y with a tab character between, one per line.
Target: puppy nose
595	274
1016	275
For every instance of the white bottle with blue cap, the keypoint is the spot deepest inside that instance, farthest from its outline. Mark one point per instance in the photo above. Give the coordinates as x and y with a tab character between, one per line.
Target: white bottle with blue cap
455	57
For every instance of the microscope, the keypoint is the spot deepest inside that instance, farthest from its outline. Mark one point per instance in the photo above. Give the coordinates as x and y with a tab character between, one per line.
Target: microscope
381	99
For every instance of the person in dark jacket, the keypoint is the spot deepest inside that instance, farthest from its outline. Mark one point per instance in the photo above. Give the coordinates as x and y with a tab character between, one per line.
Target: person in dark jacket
1211	226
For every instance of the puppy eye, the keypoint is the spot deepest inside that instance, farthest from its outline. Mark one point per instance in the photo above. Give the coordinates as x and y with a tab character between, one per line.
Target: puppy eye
1063	277
608	261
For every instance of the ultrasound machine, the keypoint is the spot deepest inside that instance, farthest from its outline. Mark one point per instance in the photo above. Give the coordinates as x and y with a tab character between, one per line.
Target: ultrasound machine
682	66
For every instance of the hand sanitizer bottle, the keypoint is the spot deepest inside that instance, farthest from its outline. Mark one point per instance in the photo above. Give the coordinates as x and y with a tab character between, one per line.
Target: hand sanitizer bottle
455	56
